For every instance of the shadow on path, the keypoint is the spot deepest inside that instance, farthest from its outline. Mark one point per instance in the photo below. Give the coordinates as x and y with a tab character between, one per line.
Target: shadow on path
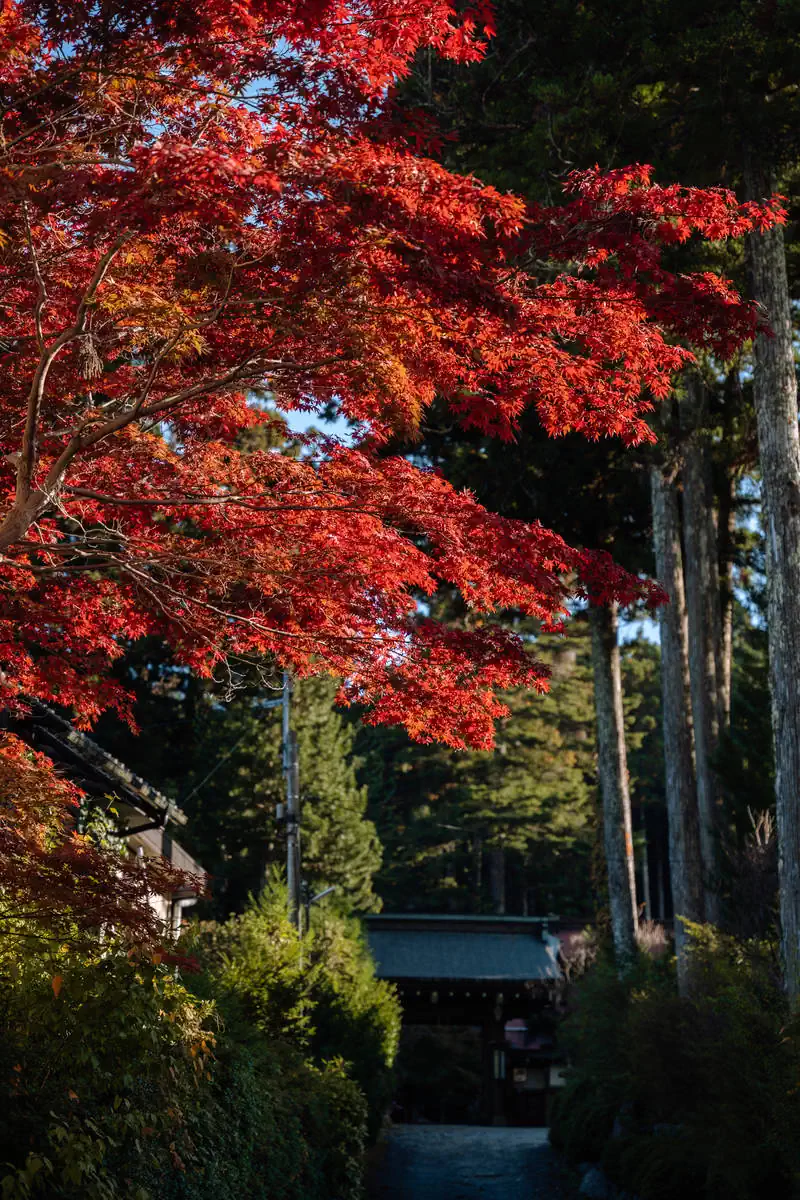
465	1162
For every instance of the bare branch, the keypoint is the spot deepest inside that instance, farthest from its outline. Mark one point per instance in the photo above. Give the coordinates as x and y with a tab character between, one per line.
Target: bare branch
26	466
190	500
253	368
41	289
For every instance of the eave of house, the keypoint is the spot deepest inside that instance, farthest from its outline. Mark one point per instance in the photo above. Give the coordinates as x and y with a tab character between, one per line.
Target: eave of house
92	767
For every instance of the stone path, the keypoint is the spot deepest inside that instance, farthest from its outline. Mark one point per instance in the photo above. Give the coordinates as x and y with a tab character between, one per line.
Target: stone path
465	1162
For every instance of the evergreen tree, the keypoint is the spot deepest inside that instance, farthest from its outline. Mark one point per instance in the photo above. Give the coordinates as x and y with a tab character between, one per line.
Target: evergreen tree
441	814
232	814
221	760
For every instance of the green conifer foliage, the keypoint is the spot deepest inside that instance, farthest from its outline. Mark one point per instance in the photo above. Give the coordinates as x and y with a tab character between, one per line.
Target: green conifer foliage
440	813
220	758
233	814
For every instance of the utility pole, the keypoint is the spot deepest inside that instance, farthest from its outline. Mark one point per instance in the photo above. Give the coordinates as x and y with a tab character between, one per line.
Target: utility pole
291	809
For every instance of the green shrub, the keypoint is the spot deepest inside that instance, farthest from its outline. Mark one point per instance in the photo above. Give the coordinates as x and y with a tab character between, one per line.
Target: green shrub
318	992
694	1097
582	1118
258	961
273	1128
357	1016
662	1165
124	1083
102	1057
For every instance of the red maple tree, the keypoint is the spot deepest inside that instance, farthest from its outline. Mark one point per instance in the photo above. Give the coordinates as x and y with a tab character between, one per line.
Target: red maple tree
53	875
202	202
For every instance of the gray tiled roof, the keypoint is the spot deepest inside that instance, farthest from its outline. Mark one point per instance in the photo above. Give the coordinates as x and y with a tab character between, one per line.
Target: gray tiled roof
460	954
119	776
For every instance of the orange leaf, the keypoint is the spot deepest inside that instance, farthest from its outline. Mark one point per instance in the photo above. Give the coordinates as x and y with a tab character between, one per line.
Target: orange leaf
56	981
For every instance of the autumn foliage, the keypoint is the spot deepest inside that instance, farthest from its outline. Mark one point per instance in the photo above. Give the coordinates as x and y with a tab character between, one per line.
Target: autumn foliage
203	204
56	877
197	201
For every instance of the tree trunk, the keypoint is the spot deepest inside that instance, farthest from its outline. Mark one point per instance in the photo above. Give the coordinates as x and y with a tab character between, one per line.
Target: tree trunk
497	878
726	530
477	864
704	624
660	889
646	899
19	518
685	865
775	392
612	765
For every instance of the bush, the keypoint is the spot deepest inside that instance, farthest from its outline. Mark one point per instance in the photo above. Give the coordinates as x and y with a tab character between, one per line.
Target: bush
582	1118
318	992
683	1098
124	1083
663	1165
357	1017
273	1128
103	1058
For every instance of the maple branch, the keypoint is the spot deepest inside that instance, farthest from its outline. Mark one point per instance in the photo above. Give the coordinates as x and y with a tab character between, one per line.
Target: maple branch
242	501
151	586
168	346
250	369
22	513
82	441
44	124
28	453
172	342
41	288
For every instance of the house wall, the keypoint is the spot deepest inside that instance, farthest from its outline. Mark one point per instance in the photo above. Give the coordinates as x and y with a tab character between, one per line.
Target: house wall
157	843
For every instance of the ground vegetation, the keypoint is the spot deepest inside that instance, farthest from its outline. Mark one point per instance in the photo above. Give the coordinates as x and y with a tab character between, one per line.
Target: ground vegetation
262	1071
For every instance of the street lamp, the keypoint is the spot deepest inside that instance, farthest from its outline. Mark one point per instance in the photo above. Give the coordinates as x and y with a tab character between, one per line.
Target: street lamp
309	900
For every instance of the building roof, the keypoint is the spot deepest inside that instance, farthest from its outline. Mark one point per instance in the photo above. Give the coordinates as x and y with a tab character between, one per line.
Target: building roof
511	949
92	767
104	777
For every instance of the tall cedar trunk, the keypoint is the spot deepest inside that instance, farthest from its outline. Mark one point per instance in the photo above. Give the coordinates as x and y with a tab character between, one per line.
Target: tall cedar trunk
497	878
612	763
775	392
661	890
726	530
646	898
685	864
477	862
704	624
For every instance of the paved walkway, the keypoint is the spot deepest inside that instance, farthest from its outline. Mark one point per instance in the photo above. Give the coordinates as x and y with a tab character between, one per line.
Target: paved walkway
465	1162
